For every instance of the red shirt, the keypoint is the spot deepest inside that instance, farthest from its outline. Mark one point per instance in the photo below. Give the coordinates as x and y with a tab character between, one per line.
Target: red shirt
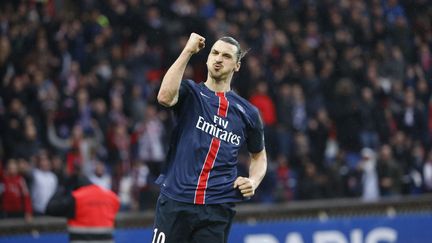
15	197
94	207
266	107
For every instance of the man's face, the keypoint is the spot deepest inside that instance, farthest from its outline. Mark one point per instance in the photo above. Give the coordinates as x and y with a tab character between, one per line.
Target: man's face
222	60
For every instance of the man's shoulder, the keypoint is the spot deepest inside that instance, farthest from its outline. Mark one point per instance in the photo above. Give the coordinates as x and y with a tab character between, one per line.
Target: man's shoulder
95	190
243	104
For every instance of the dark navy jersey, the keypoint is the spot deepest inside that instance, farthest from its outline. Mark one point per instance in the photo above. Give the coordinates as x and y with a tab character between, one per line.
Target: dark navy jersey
210	129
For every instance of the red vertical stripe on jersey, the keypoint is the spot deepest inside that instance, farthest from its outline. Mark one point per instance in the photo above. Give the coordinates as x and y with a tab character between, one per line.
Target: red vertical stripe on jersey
223	104
205	171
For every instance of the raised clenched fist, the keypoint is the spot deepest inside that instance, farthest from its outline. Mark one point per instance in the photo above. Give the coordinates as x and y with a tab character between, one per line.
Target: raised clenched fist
195	43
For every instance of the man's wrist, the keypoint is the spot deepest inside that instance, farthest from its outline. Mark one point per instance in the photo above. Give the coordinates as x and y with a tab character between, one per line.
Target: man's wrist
187	53
254	183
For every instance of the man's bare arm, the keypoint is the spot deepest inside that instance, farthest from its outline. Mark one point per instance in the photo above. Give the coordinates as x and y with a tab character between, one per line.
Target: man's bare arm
169	90
257	171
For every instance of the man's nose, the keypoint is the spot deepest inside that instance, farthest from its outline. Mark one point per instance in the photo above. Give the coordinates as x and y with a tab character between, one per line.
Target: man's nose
218	58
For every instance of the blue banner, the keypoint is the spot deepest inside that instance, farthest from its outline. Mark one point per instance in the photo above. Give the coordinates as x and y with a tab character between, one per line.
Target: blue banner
407	228
411	228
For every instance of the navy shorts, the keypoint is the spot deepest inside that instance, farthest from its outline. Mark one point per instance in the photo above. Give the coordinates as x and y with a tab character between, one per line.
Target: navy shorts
178	222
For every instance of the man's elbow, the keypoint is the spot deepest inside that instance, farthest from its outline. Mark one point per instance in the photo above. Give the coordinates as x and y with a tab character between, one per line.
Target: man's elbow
165	100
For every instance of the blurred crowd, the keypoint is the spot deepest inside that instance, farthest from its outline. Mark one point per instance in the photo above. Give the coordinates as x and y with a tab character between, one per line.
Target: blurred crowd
343	87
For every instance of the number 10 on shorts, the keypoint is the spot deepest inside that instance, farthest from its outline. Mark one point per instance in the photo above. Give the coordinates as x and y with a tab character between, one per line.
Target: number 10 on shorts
158	237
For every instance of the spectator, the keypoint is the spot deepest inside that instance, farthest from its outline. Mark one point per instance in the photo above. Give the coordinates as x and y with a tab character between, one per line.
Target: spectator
312	86
389	173
90	210
286	180
342	180
299	114
312	185
393	10
346	115
150	133
119	145
58	168
411	118
125	193
100	176
262	100
137	104
100	114
5	58
427	172
29	144
284	131
319	129
44	183
142	185
369	120
417	158
78	146
370	184
15	196
14	124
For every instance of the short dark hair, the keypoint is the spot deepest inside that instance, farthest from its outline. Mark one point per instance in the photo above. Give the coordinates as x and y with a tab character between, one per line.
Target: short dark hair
230	40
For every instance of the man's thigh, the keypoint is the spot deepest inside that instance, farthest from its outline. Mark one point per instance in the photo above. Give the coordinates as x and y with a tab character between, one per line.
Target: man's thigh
172	224
177	222
217	227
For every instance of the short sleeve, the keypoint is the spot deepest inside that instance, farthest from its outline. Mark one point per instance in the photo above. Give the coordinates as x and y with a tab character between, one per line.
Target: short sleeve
184	91
255	135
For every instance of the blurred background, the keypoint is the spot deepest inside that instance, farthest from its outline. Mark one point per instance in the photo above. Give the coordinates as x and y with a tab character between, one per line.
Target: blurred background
343	87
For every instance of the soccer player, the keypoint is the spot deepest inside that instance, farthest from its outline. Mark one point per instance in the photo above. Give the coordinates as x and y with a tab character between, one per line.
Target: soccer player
200	184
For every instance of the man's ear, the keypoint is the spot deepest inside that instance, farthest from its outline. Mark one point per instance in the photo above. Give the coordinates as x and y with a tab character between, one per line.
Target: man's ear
237	67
